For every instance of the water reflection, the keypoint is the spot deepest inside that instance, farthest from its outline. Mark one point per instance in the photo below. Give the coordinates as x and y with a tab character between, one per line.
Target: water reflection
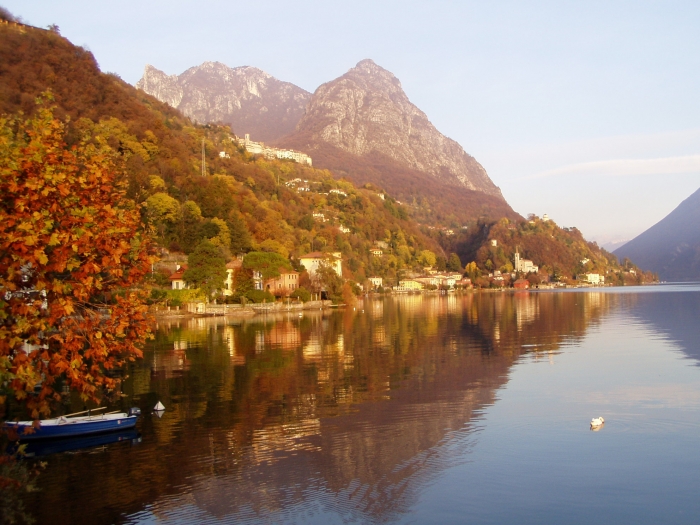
351	410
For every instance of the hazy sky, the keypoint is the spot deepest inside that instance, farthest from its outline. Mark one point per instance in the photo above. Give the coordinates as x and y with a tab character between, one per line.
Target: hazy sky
586	111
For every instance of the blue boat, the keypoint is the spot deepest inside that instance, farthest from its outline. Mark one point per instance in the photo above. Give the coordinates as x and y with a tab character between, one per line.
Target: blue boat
66	426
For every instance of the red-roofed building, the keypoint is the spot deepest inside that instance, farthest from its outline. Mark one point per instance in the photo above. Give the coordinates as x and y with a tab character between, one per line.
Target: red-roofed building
177	280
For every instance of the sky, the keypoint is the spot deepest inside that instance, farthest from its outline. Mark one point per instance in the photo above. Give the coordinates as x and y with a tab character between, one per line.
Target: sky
586	111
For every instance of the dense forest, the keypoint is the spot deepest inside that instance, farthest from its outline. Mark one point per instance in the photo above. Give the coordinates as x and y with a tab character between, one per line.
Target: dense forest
242	203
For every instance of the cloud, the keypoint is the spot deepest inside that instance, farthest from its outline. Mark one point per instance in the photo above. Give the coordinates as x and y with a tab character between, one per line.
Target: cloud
626	167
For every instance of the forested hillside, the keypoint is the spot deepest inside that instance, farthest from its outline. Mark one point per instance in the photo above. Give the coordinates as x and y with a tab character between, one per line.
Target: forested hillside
244	203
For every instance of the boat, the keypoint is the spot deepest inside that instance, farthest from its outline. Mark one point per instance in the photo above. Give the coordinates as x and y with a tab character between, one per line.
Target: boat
73	425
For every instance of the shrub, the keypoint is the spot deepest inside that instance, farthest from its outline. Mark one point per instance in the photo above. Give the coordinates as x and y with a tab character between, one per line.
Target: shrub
260	296
302	294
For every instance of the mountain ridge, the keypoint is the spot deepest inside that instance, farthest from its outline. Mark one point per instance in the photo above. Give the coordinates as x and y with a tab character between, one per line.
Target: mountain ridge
671	247
366	110
246	98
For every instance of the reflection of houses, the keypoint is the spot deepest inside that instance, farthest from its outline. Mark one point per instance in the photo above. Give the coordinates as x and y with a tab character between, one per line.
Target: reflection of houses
285	336
171	362
177	278
314	260
524	265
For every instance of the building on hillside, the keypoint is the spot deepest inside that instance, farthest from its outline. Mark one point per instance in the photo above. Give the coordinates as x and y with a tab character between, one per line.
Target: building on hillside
344	229
445	281
338	192
524	265
376	252
426	281
319	217
177	280
286	283
259	148
521	284
594	278
314	260
464	282
376	282
409	285
494	242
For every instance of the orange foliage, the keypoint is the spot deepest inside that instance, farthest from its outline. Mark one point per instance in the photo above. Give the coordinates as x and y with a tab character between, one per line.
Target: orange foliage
72	248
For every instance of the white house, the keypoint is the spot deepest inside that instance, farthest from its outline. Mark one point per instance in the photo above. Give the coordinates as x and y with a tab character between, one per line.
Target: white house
314	260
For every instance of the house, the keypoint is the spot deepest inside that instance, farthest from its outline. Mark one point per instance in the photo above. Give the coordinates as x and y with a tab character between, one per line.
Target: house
344	229
312	261
524	265
286	283
464	282
594	278
338	192
446	281
409	285
521	284
376	252
231	269
319	217
494	242
376	281
177	279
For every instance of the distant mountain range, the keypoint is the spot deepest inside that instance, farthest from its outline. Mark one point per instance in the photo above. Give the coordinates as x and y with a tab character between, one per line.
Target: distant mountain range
246	98
360	125
671	247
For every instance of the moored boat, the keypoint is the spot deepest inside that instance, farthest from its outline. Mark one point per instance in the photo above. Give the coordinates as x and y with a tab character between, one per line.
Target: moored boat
67	426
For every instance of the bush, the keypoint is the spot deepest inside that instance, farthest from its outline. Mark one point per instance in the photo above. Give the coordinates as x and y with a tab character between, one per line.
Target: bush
302	294
260	296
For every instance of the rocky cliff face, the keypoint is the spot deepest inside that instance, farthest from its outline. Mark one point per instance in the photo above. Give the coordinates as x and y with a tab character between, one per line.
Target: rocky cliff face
366	112
248	99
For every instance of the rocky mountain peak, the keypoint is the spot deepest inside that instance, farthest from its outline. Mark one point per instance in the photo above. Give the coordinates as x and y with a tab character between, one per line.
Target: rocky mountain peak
366	111
247	98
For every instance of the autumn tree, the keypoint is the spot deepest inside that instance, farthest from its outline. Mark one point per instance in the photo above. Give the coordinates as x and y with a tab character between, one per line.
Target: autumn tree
206	268
72	252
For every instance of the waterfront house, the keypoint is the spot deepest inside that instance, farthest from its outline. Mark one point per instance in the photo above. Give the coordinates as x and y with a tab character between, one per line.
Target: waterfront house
312	261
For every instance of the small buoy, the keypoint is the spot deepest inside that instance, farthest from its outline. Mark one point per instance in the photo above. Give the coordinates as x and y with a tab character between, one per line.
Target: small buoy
159	406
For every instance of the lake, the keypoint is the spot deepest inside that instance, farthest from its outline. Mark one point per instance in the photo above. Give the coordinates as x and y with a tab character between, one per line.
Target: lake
469	408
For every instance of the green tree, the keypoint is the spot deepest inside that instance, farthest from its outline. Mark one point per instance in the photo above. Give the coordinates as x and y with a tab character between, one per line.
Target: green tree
206	268
427	258
240	236
454	263
267	263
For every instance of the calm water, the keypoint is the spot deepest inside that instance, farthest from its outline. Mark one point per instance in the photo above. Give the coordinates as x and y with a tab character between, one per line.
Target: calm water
417	409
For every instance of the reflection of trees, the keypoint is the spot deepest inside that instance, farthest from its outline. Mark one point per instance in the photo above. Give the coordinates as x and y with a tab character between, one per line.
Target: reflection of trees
353	409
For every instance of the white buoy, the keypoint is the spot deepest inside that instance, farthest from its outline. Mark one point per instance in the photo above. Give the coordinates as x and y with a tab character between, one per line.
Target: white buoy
159	406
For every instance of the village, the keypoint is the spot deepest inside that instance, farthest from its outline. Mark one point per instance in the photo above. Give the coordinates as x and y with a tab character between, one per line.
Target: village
286	290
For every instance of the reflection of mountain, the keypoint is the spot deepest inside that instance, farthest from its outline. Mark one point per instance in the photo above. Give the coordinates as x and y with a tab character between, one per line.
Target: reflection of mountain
675	315
349	412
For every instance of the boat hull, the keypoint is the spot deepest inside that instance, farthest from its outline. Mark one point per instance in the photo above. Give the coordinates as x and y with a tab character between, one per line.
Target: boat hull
55	429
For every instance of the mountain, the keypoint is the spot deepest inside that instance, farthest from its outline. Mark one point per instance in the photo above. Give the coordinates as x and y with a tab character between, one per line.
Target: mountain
363	126
246	98
671	247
